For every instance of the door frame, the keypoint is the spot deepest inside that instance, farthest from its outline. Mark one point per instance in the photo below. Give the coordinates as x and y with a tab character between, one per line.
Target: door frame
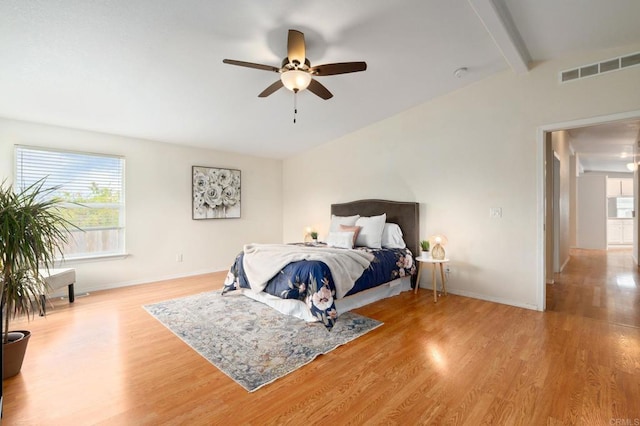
556	213
541	192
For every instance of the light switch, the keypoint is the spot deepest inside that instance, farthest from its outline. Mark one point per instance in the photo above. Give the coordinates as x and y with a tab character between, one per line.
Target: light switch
495	212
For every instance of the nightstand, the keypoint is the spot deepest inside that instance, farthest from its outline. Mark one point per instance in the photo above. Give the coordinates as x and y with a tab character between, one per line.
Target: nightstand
434	263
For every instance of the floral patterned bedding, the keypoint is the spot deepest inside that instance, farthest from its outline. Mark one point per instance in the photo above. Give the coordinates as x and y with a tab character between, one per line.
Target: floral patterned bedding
311	281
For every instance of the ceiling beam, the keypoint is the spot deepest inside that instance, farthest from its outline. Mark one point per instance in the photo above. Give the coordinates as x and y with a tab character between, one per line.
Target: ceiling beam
497	20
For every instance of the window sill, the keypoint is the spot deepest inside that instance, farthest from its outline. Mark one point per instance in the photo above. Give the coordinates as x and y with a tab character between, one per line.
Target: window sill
96	258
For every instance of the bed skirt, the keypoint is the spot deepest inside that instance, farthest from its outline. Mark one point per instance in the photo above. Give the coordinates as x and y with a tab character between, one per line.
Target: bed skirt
298	308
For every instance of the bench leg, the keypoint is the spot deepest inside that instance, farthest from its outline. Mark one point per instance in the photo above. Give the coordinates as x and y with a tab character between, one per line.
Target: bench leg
72	295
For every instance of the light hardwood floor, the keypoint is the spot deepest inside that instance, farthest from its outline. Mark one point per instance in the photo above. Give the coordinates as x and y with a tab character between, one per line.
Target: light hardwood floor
104	360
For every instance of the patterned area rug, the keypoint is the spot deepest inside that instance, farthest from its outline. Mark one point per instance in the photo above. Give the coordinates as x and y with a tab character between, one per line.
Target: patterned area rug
249	341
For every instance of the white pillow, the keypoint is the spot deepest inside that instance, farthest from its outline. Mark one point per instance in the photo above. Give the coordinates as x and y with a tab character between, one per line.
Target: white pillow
371	233
392	236
340	239
336	221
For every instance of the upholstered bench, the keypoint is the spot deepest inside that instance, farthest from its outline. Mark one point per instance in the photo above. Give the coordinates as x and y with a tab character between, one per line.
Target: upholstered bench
58	278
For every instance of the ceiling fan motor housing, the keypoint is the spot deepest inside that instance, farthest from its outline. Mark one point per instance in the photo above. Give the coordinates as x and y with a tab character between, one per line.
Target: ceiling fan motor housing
291	65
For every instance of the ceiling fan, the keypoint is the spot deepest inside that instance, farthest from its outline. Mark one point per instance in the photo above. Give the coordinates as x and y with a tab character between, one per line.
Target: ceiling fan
296	72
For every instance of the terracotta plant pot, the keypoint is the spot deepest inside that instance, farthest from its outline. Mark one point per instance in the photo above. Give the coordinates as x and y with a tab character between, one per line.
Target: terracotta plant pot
14	352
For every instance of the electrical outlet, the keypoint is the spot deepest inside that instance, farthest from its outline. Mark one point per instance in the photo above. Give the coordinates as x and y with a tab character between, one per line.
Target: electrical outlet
495	212
179	257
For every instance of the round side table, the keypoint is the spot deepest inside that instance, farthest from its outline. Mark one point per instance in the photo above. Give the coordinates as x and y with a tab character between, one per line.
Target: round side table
434	263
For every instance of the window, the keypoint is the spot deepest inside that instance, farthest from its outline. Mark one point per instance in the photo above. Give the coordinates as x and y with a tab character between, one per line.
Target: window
93	187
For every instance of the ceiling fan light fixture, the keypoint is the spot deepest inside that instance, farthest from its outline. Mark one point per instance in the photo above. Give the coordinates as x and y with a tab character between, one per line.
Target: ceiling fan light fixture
295	80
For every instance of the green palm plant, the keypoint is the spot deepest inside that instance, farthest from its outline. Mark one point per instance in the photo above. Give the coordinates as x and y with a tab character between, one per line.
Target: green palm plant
33	231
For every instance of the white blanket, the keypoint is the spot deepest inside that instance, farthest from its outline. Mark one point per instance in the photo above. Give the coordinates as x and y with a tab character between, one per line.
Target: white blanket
262	262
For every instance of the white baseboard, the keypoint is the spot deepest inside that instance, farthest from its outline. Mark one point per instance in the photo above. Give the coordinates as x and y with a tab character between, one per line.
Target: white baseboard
99	287
500	300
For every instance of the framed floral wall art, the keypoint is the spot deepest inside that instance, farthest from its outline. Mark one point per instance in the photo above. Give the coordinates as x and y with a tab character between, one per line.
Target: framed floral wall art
216	193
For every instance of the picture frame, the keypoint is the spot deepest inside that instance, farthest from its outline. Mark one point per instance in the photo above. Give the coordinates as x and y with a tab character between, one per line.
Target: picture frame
215	193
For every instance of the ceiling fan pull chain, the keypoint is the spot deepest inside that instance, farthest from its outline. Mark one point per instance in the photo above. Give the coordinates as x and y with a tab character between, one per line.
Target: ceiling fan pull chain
295	105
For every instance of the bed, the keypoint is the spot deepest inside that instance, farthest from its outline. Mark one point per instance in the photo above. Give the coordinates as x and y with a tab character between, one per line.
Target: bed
317	282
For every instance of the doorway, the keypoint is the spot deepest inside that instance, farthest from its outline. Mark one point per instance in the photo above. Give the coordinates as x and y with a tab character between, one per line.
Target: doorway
551	235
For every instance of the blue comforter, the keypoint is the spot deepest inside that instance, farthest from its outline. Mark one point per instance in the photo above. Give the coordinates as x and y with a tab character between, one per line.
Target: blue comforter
312	283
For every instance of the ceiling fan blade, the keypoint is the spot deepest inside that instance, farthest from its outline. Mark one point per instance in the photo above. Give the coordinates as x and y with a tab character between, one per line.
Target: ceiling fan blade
339	68
296	50
251	65
269	90
319	89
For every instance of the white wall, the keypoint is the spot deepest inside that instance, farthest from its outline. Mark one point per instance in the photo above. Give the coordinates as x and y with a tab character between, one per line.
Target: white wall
459	155
158	204
591	232
573	206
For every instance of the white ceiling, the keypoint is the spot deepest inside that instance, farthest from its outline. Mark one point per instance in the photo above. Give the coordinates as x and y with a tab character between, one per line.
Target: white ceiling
606	147
153	68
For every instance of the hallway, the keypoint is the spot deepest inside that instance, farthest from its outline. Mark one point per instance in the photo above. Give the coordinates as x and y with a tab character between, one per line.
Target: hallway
598	284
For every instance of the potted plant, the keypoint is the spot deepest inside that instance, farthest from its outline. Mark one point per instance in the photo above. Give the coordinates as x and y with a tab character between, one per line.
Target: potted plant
314	236
424	247
33	231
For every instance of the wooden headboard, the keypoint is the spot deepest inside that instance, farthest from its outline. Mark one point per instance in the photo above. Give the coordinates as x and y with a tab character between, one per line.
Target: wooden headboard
405	214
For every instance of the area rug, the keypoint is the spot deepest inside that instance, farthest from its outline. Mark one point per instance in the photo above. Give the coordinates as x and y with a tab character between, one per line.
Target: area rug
250	342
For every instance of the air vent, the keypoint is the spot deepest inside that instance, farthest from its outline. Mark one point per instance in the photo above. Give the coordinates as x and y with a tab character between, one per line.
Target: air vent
609	65
631	60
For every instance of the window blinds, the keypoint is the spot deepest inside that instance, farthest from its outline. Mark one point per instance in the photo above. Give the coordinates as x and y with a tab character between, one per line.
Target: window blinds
93	187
